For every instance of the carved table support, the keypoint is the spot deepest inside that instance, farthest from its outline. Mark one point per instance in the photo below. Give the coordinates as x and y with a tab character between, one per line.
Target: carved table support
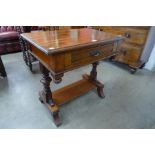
27	56
46	95
29	60
24	49
93	78
93	73
46	80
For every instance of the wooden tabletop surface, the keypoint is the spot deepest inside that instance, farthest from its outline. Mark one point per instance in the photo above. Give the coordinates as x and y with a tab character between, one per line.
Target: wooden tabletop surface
51	42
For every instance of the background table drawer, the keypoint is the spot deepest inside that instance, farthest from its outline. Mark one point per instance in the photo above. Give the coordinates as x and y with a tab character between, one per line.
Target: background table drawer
130	53
133	34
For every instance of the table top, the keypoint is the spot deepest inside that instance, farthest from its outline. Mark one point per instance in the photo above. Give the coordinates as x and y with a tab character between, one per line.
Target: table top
51	42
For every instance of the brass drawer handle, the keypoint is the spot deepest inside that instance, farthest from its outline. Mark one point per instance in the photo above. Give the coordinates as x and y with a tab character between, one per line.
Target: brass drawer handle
95	53
127	35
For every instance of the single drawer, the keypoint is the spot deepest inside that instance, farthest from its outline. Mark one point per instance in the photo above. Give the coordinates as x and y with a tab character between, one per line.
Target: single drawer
133	34
94	53
86	56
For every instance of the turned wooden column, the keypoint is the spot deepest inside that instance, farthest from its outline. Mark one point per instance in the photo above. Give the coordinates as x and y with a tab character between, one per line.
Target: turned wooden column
2	69
93	78
24	49
93	73
46	94
29	56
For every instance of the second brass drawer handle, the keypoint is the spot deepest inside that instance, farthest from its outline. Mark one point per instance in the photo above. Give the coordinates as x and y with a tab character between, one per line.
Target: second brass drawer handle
95	53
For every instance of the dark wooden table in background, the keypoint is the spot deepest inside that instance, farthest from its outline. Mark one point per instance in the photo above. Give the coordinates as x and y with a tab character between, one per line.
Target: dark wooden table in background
65	50
2	69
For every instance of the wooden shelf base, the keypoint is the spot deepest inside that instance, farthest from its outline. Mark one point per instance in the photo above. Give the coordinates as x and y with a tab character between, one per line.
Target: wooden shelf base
69	93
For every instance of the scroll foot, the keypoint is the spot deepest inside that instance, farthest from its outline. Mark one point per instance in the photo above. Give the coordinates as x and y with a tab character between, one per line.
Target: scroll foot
56	118
100	92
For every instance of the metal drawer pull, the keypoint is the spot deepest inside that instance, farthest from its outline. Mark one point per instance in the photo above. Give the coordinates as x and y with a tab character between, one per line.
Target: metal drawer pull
95	53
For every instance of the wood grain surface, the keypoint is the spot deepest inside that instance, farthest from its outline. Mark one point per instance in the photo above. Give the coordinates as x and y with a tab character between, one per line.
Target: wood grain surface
51	42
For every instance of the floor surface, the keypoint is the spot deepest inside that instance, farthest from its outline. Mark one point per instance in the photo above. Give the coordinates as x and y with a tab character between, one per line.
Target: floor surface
129	101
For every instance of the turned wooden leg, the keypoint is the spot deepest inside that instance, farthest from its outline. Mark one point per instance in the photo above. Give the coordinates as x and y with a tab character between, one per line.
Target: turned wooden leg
29	61
46	80
26	54
2	69
25	57
46	95
23	48
93	78
93	73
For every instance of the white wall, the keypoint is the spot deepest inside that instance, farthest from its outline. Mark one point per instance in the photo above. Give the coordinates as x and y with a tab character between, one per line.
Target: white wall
150	65
149	45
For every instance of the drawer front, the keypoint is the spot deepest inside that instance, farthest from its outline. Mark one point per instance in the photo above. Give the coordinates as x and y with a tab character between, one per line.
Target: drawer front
92	53
130	54
133	34
88	55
